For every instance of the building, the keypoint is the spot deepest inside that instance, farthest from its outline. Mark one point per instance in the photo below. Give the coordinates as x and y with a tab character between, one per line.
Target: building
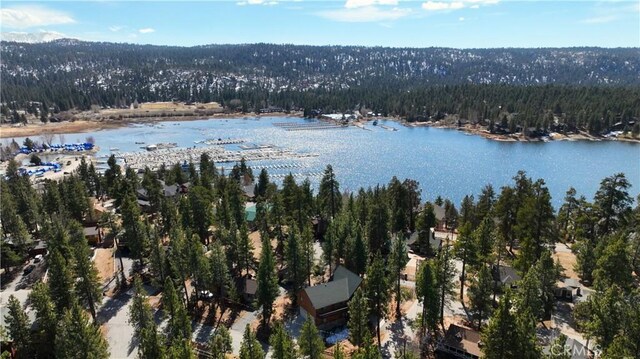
460	342
92	234
250	288
416	244
328	302
505	276
568	289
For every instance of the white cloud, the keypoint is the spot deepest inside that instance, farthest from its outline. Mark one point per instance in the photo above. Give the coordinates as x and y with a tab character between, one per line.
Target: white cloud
146	30
25	16
441	5
365	14
115	28
461	18
600	19
353	4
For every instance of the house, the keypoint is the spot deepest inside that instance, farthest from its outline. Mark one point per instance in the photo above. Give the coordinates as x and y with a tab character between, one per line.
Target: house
168	191
460	342
440	216
249	191
39	248
505	276
250	288
92	234
327	303
417	244
568	289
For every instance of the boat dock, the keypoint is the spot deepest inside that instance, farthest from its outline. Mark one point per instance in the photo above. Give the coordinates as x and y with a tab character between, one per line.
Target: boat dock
295	126
217	154
388	128
220	141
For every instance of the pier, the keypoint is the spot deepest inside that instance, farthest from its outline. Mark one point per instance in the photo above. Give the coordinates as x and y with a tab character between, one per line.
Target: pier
217	154
294	126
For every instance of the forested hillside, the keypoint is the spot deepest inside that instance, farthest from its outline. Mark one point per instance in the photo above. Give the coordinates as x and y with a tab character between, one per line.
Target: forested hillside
592	88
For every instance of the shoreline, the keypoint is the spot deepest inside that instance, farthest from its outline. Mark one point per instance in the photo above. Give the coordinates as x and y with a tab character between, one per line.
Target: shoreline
553	137
86	125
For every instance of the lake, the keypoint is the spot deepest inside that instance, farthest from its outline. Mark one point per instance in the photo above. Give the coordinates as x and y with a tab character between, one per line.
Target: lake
445	162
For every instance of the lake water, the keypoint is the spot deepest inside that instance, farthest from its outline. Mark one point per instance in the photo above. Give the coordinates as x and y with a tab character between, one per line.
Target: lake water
445	162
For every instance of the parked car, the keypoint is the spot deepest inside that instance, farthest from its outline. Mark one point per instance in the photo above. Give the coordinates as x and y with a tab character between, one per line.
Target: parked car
28	269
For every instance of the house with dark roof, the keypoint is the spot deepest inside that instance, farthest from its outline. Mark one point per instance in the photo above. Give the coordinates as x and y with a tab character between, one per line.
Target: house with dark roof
460	342
328	302
505	276
418	242
568	289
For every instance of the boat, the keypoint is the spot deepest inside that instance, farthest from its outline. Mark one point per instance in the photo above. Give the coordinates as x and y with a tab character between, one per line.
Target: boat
375	122
139	142
114	149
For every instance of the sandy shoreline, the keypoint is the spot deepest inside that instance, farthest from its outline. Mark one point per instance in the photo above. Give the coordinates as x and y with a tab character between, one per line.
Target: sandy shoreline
93	125
90	125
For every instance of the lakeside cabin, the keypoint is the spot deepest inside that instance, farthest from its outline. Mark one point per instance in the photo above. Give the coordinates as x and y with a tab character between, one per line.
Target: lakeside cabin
327	303
460	342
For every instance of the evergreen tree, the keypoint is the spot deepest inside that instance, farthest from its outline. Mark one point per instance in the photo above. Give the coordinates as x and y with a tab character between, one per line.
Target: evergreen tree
220	343
358	317
378	224
220	284
329	194
377	287
145	328
46	320
61	282
428	294
613	201
445	273
18	327
88	285
77	337
465	250
399	260
250	347
282	343
295	264
135	234
501	325
310	342
267	279
480	295
179	325
613	266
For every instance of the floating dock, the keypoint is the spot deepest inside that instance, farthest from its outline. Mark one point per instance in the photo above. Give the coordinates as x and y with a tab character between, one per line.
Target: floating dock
296	126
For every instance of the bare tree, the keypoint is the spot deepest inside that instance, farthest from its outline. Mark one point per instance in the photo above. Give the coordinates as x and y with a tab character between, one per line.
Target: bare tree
47	138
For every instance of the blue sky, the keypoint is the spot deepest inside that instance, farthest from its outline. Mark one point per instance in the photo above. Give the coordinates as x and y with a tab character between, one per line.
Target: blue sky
447	23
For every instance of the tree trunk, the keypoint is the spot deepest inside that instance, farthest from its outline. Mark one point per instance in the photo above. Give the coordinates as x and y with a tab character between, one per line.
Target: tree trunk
462	280
398	299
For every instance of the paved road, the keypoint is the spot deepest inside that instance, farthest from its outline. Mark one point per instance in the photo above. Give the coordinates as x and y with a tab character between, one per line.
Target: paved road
114	313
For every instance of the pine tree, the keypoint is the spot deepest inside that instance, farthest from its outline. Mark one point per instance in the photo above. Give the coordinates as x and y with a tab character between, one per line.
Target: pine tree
310	342
501	325
480	295
18	327
179	325
88	285
77	337
465	250
358	254
145	328
329	194
220	343
282	343
308	252
135	235
428	294
358	317
250	347
377	287
267	279
61	282
613	266
295	264
220	278
338	353
613	201
399	260
445	272
46	320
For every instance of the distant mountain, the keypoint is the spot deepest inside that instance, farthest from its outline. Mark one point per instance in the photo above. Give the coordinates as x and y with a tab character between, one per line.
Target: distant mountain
32	37
74	73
